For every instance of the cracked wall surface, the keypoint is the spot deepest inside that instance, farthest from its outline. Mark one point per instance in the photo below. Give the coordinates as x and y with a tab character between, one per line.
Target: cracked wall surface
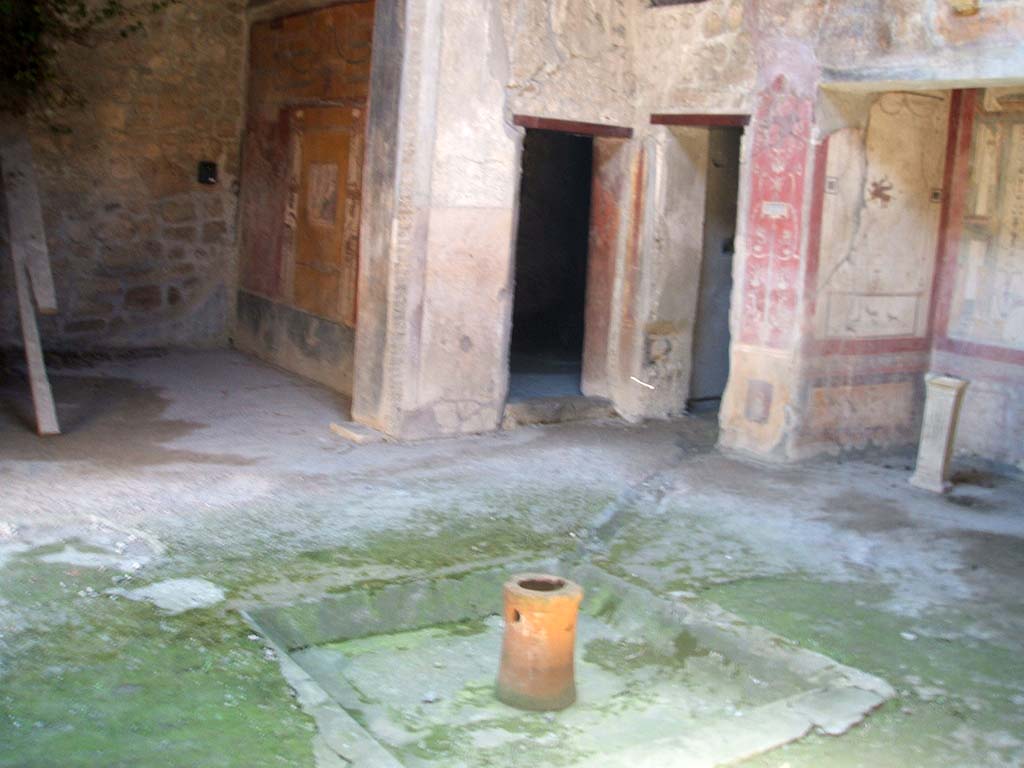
572	57
429	355
870	282
883	190
909	40
615	62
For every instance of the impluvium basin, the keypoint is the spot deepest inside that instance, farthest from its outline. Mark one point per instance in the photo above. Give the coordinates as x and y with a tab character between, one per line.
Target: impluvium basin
403	674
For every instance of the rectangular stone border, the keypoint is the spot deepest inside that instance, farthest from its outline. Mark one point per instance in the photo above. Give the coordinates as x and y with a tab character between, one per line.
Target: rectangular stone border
838	697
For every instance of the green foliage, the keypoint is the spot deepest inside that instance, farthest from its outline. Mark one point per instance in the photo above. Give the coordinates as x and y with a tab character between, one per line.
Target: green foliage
32	33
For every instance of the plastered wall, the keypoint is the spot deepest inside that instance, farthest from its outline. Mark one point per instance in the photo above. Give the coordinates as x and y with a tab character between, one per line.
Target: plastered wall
878	209
144	256
910	40
431	357
670	278
980	299
797	384
572	57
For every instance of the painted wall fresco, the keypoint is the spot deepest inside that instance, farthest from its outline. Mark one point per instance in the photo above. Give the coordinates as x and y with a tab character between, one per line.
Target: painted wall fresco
301	193
880	220
308	87
782	128
980	306
987	304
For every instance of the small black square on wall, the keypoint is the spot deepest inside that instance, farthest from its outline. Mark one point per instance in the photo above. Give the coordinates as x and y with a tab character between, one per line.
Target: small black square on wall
207	172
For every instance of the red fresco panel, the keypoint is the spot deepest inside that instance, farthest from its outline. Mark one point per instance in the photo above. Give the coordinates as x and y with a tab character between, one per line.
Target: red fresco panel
782	130
312	63
605	215
265	168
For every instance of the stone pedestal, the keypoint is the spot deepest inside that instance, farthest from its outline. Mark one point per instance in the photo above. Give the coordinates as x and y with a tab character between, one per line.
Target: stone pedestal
938	430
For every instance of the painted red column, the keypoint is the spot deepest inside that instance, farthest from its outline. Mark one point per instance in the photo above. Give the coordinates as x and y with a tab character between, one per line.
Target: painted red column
771	280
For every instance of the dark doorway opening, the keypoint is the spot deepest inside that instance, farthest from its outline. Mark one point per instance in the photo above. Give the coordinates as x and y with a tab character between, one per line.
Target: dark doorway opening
710	370
551	265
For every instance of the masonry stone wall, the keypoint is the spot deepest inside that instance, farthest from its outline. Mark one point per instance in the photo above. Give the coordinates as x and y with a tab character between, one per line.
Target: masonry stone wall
142	254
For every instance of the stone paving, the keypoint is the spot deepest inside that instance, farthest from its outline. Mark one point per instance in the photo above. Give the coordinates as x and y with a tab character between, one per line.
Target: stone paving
213	469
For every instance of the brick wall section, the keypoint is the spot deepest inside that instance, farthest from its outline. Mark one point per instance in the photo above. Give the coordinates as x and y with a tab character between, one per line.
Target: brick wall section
144	255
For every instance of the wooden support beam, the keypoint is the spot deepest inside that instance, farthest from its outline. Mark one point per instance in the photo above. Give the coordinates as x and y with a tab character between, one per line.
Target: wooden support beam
32	275
42	396
573	126
25	218
701	121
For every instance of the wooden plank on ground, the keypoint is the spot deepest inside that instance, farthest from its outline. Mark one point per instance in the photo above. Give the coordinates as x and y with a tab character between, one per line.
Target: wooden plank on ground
25	217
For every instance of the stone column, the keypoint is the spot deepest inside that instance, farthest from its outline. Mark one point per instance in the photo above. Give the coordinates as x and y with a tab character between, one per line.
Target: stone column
435	285
938	430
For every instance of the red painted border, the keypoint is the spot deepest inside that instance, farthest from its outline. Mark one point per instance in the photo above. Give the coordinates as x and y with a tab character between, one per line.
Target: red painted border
957	181
705	121
984	351
629	316
572	126
607	197
870	346
956	178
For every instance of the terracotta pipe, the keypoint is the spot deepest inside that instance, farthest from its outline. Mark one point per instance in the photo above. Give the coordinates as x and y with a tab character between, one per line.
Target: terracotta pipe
536	670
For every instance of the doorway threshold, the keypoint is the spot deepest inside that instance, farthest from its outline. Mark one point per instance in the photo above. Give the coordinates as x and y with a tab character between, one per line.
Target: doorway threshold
556	410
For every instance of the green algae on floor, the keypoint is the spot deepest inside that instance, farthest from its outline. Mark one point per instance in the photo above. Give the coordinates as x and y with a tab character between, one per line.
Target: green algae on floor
476	527
96	680
405	641
436	539
960	696
428	693
637	653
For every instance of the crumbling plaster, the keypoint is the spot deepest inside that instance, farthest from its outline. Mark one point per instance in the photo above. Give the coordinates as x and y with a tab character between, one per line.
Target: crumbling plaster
435	284
450	280
438	364
911	40
673	243
615	62
572	57
980	299
143	256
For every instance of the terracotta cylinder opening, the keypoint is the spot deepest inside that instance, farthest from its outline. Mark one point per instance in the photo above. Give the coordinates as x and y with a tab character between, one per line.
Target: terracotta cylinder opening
537	669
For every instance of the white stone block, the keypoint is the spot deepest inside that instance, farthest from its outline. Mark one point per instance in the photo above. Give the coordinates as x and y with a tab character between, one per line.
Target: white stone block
938	431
